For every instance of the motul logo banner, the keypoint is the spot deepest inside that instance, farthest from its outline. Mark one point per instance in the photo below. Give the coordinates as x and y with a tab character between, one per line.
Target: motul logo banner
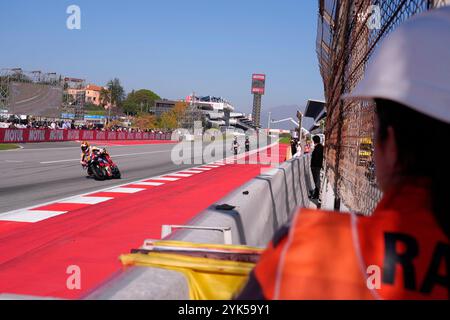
48	135
100	135
88	135
73	135
112	135
36	135
11	135
57	135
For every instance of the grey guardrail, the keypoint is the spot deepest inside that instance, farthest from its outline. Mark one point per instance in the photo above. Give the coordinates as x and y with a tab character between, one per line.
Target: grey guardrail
261	206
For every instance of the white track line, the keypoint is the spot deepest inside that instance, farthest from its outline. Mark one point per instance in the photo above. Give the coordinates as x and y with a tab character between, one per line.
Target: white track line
58	161
26	215
126	190
29	212
188	171
7	213
202	169
115	156
164	179
210	166
180	175
23	149
86	200
143	183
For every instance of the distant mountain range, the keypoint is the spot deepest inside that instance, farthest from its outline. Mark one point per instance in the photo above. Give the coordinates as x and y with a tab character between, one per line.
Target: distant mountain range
282	112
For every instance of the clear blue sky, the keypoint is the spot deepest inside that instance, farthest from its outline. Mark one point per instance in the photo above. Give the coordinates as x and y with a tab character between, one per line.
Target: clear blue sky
173	46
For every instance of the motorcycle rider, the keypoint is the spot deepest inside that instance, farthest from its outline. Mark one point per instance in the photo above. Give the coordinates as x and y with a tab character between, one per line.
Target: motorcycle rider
86	153
85	156
104	155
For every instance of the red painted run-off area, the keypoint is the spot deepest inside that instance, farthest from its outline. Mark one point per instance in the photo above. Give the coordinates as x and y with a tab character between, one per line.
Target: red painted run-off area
34	257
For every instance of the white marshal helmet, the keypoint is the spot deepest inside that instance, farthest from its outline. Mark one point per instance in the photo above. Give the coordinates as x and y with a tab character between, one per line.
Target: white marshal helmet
412	66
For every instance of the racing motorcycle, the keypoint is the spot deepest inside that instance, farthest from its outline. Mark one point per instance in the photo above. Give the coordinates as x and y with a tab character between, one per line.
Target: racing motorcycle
100	165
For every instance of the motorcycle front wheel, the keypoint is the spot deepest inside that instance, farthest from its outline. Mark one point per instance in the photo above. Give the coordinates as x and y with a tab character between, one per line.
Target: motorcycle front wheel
99	173
116	173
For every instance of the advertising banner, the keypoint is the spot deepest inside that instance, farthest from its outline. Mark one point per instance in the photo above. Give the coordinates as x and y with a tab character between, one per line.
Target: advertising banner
258	83
49	135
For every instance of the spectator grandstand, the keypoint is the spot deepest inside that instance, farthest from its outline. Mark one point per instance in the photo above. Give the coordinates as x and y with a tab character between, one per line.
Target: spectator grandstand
35	99
30	93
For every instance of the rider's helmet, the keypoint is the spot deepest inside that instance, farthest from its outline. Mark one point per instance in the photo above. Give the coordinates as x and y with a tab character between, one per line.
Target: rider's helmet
95	150
84	146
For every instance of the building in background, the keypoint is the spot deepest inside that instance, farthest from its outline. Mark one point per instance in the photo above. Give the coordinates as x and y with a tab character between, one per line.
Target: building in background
219	113
93	94
213	112
161	106
90	94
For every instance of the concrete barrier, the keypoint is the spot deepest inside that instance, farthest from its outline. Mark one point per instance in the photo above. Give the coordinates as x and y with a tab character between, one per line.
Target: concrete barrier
261	206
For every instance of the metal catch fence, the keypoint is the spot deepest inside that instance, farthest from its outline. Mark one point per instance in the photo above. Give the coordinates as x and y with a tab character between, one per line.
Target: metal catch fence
348	32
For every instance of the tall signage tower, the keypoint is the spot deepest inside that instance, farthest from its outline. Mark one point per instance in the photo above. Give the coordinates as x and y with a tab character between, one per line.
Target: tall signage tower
258	89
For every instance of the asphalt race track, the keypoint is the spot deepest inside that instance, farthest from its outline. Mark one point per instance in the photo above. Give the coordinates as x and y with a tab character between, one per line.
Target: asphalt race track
43	172
42	233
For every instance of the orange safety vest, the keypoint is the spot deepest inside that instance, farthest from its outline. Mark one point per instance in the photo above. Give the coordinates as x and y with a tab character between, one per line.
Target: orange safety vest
398	253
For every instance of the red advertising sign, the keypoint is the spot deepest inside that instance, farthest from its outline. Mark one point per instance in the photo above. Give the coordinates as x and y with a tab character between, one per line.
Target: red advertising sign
49	135
258	83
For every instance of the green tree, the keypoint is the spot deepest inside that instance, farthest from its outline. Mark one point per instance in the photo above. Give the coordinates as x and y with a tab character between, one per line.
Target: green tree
93	107
144	121
105	97
68	98
179	110
172	119
113	94
141	100
168	120
130	107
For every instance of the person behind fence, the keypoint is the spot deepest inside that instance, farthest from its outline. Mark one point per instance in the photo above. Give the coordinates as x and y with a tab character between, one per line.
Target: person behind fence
293	146
316	166
402	250
235	146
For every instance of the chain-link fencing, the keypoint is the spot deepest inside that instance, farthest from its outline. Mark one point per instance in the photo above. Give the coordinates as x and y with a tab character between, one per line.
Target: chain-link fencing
348	32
